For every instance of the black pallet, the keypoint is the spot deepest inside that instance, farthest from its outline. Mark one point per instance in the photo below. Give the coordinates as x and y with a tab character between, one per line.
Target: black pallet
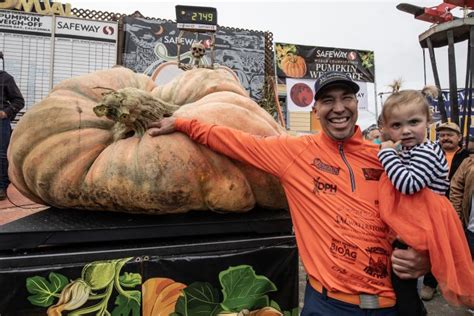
55	227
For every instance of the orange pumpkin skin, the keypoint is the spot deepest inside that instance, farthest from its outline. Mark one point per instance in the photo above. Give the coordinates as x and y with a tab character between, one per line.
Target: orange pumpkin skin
160	296
293	66
62	154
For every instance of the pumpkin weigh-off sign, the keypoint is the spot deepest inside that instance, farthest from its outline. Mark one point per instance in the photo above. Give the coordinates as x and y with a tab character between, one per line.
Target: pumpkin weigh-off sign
84	146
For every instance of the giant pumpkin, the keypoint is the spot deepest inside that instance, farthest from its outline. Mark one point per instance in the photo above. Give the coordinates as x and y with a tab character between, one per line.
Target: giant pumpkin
84	146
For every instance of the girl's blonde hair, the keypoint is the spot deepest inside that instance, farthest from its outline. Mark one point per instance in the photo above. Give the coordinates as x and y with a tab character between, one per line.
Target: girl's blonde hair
404	97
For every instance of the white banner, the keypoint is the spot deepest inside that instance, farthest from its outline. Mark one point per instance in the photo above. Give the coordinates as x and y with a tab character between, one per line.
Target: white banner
88	29
19	21
363	96
41	51
300	95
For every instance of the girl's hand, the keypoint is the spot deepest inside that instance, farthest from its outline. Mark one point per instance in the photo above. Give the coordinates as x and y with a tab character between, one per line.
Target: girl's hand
390	144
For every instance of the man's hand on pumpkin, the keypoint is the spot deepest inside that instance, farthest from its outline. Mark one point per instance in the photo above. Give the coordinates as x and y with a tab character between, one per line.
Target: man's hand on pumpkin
410	264
164	126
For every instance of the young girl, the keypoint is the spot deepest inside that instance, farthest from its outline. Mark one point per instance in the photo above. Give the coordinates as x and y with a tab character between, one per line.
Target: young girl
424	222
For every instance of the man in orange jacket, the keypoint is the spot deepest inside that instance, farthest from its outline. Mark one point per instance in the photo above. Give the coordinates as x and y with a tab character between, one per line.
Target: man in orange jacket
330	180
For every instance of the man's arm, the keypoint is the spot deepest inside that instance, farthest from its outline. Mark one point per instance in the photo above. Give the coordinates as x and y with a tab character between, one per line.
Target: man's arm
410	264
14	97
456	191
270	154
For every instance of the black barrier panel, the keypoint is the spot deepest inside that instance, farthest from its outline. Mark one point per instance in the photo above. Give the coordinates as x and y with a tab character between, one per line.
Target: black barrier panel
224	276
150	43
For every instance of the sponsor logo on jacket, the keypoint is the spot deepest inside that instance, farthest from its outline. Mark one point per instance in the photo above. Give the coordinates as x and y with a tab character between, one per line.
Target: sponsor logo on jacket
372	174
324	187
325	167
378	262
343	250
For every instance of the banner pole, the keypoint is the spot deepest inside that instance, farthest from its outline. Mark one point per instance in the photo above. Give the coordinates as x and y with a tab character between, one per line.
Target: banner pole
375	97
277	102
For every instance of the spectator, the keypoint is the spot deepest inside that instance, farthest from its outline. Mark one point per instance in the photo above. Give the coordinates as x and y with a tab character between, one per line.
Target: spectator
462	194
470	145
372	133
449	137
11	102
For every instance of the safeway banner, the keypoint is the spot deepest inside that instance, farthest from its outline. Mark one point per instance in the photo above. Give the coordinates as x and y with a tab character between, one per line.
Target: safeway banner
309	62
150	43
86	29
300	95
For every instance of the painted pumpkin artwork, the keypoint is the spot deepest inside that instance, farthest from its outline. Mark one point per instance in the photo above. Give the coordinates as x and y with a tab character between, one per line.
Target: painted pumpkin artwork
107	288
160	296
301	94
85	146
293	66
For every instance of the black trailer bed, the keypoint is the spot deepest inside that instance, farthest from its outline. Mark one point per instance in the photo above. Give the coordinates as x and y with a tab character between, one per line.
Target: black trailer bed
56	227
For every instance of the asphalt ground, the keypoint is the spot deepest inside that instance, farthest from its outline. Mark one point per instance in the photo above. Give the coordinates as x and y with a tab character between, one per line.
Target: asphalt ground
438	307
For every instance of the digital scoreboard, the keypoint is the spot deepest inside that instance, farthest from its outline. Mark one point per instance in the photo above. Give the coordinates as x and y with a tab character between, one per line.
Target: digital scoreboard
196	18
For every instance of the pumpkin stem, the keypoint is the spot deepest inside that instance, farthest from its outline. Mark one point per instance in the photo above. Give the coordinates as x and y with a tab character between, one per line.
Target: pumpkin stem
132	110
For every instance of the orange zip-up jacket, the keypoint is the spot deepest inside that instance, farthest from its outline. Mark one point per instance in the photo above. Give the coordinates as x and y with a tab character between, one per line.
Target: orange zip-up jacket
331	189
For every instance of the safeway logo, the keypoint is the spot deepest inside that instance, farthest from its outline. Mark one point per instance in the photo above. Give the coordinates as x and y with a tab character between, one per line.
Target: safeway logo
352	56
108	30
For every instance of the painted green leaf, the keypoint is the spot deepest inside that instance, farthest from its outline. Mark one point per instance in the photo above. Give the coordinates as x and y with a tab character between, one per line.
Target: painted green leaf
99	274
130	279
274	305
135	296
294	312
45	291
125	306
260	302
200	299
179	307
243	289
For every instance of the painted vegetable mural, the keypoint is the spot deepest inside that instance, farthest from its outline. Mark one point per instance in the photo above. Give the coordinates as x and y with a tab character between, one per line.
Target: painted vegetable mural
289	61
84	146
242	293
96	285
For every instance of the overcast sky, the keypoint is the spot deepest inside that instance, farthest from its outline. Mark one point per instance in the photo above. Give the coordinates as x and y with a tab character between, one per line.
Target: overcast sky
366	25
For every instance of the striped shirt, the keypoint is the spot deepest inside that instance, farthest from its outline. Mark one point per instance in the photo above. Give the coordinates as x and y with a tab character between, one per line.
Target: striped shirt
413	169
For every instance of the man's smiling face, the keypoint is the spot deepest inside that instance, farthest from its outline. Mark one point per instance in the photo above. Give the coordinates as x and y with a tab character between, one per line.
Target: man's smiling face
337	110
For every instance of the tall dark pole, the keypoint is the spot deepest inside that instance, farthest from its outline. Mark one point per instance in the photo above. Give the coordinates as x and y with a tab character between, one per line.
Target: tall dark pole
468	106
441	108
424	66
453	86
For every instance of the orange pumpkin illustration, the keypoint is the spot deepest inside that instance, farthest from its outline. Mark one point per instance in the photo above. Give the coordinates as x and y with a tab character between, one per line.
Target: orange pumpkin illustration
293	66
160	296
